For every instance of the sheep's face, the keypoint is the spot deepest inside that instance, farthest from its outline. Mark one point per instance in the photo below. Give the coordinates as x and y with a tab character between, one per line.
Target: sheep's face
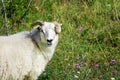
48	32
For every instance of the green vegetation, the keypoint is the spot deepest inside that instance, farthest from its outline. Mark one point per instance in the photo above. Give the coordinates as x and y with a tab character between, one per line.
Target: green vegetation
89	45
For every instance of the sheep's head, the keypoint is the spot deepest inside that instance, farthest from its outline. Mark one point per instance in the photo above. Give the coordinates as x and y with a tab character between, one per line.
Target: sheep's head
47	31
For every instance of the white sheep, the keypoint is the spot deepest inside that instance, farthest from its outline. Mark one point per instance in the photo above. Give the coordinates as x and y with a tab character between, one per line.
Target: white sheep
24	55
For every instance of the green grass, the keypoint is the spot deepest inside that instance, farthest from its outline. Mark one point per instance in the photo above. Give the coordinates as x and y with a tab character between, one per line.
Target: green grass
92	53
99	20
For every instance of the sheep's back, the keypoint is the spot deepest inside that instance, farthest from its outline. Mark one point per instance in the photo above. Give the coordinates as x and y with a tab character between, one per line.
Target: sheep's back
15	56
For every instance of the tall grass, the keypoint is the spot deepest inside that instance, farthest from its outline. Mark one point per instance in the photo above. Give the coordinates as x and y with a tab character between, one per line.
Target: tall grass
89	46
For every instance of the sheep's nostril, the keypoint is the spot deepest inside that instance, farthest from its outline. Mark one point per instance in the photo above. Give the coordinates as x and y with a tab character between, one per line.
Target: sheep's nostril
49	40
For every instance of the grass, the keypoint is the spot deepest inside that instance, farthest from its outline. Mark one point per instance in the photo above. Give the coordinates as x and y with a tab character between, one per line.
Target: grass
89	45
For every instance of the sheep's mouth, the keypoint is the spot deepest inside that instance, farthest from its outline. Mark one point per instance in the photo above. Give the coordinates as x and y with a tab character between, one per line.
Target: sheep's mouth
49	43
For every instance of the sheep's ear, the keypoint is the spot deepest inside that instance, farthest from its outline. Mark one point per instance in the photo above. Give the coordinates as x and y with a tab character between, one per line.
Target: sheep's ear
57	27
38	22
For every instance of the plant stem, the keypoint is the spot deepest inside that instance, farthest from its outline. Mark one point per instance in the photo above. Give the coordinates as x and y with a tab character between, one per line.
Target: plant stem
5	18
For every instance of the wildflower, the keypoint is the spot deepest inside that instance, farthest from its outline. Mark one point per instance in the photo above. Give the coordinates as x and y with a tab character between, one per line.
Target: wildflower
77	66
78	57
112	78
96	65
75	76
100	76
78	72
80	28
112	61
84	63
68	64
105	39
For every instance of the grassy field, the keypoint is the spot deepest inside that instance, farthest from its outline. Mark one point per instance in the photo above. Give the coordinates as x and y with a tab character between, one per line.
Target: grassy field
89	44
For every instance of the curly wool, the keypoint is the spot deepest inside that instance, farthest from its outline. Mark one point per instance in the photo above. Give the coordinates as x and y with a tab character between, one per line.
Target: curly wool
21	58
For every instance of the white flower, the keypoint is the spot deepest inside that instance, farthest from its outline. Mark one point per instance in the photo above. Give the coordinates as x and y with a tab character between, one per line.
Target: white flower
112	78
75	76
78	72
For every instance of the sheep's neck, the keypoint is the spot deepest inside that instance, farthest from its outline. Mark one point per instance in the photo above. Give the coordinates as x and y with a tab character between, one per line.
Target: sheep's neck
48	51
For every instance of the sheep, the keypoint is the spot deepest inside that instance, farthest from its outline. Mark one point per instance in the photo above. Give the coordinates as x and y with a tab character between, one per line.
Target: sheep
24	55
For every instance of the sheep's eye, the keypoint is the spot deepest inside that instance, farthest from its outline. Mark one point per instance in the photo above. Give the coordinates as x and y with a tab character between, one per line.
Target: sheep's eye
40	29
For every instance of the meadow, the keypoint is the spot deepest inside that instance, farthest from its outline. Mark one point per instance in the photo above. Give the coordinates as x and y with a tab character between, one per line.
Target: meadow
89	44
